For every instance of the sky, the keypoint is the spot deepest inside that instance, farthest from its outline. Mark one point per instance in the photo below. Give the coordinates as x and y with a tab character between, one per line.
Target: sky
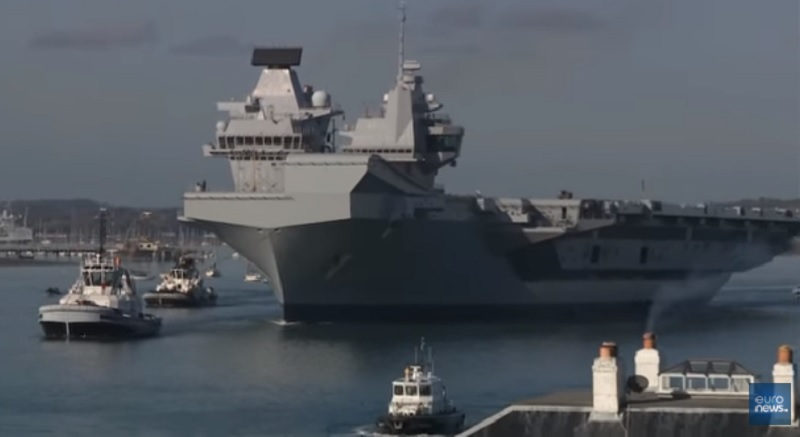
112	99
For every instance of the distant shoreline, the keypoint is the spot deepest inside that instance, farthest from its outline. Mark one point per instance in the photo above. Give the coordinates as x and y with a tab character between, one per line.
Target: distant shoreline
18	262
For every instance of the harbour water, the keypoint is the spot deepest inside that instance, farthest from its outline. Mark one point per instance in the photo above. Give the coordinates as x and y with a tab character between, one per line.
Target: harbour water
235	369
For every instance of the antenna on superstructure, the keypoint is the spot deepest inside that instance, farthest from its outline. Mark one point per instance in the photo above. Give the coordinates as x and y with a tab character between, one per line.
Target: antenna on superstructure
401	51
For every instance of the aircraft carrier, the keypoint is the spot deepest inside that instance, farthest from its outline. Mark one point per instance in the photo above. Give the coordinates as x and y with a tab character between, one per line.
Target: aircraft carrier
348	223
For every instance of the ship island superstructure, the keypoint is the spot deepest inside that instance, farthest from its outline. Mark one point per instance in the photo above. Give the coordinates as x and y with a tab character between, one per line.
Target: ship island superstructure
349	223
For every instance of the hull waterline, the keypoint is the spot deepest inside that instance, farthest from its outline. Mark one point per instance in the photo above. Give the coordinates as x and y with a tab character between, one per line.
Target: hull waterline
177	300
416	425
87	322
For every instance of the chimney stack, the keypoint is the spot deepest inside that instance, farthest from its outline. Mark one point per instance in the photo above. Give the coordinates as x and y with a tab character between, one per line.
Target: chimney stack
784	371
647	362
606	384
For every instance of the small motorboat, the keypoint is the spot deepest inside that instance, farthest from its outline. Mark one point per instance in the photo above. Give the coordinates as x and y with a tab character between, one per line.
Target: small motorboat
253	275
181	287
102	303
53	291
420	404
212	272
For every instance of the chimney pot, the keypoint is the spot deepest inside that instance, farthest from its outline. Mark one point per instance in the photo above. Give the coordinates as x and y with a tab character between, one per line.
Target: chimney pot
608	349
785	354
649	340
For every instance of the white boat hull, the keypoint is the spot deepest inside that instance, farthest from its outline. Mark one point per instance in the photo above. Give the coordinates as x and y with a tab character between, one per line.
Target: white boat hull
176	299
87	321
447	423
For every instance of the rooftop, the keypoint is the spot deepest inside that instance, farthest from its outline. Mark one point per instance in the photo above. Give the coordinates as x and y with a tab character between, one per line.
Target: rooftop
582	400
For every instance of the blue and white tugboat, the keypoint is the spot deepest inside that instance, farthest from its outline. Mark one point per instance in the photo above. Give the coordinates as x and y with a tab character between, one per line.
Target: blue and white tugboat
419	402
101	304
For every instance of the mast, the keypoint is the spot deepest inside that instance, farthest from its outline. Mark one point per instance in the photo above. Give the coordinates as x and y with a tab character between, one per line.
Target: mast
402	38
102	217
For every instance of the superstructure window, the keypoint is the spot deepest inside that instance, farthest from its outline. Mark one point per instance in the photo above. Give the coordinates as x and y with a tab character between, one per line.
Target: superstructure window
595	254
259	141
643	255
221	142
240	141
563	213
277	141
231	142
296	142
287	142
248	141
424	390
267	141
398	390
411	390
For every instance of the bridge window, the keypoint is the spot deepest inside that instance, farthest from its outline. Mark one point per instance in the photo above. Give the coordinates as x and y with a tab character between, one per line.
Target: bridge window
696	383
721	384
296	142
411	390
248	141
240	141
425	390
287	142
231	142
277	141
673	382
398	390
221	142
442	143
259	141
267	141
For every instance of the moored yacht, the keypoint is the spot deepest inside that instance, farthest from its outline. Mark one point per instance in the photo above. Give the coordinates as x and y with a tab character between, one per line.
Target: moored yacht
101	304
181	287
419	402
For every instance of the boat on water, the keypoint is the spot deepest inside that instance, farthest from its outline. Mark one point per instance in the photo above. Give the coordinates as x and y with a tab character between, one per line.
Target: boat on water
349	222
419	403
11	232
182	286
102	303
212	271
253	275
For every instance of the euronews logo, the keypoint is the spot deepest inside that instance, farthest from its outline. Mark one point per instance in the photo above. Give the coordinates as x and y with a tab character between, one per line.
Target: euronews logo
769	404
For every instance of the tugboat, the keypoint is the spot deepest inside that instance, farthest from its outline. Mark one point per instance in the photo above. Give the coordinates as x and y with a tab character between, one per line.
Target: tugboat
419	403
181	287
101	304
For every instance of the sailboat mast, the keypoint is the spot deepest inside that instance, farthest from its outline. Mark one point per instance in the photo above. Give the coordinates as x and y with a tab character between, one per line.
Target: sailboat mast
102	218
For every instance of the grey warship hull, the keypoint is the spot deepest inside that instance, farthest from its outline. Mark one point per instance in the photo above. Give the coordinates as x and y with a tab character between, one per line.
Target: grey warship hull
360	269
